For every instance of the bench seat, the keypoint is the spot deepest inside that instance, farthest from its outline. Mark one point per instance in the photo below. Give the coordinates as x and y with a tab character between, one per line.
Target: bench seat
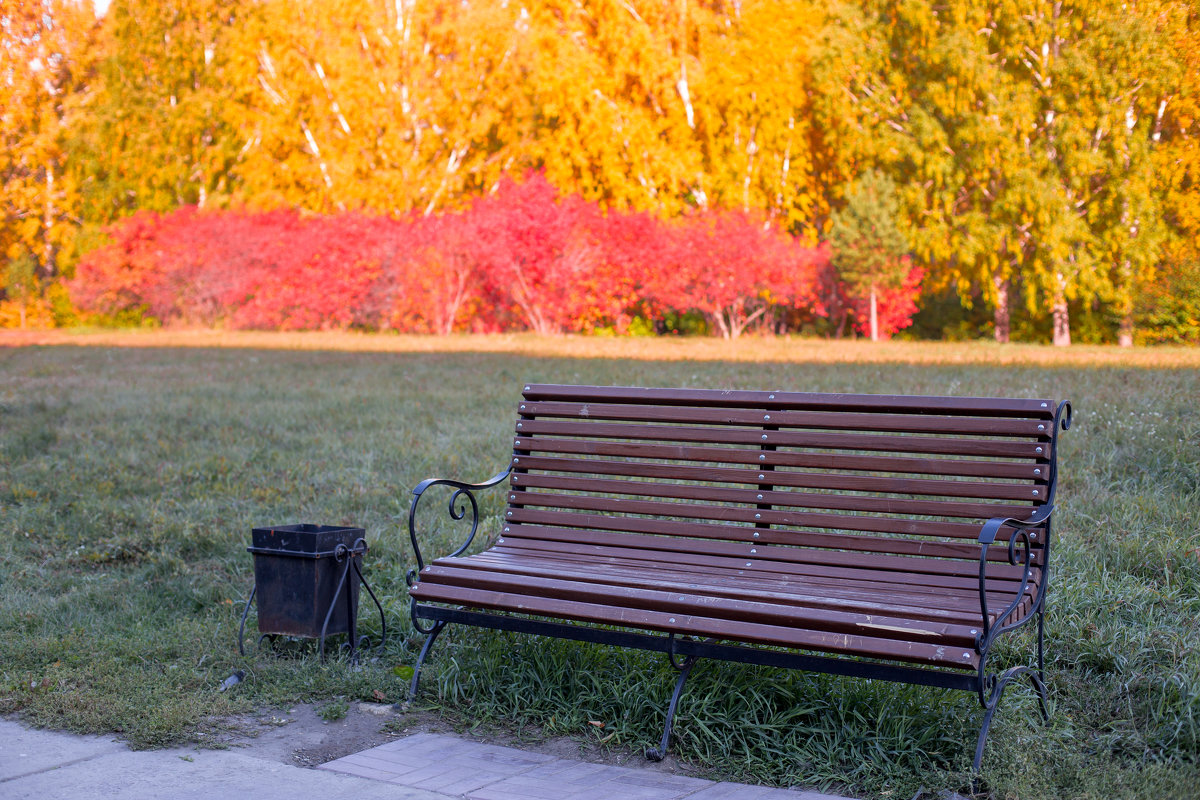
866	608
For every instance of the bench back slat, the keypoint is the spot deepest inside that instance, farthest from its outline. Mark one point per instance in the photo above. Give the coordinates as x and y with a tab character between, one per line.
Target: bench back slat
821	461
924	445
616	509
808	401
892	423
843	483
773	497
876	474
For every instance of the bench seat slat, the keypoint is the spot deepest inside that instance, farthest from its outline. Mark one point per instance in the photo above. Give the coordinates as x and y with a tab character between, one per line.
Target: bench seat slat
812	401
615	509
1018	470
661	596
838	502
808	439
738	565
910	423
858	588
750	632
947	607
923	565
876	581
738	541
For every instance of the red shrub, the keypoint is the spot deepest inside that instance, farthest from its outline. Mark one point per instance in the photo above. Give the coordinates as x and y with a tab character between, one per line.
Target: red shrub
731	267
894	308
522	257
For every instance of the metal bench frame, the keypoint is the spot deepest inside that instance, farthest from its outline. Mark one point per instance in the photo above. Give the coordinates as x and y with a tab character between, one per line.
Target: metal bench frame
684	651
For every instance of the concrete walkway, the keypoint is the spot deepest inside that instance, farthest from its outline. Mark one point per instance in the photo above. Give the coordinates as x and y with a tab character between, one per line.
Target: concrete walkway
475	771
47	766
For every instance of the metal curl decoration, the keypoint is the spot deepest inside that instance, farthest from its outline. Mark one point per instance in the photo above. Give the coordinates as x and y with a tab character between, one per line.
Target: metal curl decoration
457	512
457	508
1018	555
1062	422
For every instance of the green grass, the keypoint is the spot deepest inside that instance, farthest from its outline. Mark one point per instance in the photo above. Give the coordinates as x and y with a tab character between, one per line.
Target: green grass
130	479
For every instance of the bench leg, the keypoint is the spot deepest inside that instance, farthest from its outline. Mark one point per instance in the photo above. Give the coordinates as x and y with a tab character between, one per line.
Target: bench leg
1040	681
657	753
433	634
999	683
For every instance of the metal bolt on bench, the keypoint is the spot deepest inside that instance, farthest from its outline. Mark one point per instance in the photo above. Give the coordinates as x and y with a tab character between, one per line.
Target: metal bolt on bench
306	578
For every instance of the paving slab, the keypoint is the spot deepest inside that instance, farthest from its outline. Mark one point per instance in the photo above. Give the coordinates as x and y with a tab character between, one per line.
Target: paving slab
196	775
25	751
743	791
50	765
478	771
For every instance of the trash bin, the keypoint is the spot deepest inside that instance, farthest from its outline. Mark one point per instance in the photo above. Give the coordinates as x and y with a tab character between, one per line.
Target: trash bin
306	580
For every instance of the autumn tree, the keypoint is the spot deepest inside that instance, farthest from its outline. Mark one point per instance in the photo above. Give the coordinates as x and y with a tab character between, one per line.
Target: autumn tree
153	132
1026	138
1177	125
43	59
867	242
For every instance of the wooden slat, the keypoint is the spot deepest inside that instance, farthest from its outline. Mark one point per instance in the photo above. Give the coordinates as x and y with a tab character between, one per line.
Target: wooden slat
801	480
895	423
752	566
827	461
617	509
756	633
737	609
958	599
789	499
962	608
969	406
774	538
882	582
761	553
809	439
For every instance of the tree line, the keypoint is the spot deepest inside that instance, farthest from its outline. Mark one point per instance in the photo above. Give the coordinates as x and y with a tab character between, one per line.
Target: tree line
1038	160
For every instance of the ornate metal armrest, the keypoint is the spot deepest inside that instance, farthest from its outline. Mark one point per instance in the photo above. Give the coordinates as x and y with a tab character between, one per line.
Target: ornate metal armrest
1020	553
993	526
456	508
1020	544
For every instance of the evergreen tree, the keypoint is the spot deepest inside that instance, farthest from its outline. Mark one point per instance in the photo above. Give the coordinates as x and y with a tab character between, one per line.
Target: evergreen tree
867	242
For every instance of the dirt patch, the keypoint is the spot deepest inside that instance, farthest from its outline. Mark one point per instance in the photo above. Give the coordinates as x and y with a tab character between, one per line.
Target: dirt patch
301	737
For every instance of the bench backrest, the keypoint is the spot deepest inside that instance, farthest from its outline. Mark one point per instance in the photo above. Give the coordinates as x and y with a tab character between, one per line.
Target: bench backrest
698	470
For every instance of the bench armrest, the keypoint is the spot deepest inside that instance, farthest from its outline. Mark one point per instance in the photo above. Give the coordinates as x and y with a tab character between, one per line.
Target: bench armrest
1020	553
456	508
993	526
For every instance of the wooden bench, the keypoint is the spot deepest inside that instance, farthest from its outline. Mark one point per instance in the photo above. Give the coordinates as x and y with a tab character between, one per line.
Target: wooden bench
867	535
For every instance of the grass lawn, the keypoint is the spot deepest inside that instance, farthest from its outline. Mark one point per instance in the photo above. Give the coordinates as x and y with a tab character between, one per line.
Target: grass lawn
133	466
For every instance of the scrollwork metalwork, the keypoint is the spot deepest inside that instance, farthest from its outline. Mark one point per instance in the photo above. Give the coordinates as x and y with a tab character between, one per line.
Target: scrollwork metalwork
461	501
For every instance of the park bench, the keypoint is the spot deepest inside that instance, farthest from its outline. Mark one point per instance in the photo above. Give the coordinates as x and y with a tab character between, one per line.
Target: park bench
886	537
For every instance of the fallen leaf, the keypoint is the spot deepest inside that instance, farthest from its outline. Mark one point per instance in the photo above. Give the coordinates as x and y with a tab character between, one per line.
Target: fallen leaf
595	723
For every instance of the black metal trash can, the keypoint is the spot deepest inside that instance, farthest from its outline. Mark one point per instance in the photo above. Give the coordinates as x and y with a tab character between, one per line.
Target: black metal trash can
306	580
